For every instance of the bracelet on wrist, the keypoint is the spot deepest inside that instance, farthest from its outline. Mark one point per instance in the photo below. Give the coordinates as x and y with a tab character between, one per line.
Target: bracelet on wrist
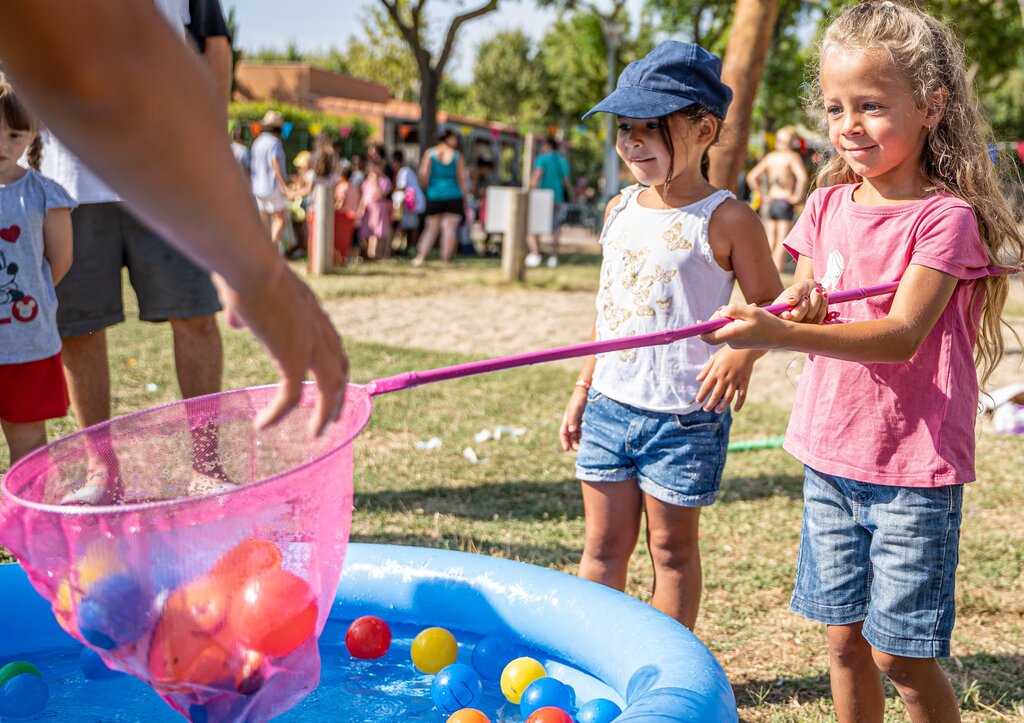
583	383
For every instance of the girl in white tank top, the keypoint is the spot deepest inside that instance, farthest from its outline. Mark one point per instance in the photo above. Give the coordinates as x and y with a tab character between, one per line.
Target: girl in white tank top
651	425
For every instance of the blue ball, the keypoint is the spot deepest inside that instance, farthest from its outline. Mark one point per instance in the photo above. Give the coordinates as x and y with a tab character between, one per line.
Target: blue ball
455	687
94	667
23	696
491	655
117	611
598	710
545	692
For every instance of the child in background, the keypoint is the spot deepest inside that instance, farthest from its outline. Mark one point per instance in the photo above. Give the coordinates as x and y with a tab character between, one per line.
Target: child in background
375	212
346	203
651	425
885	410
35	253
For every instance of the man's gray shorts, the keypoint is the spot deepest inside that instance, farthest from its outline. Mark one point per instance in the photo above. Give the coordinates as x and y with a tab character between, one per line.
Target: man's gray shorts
106	238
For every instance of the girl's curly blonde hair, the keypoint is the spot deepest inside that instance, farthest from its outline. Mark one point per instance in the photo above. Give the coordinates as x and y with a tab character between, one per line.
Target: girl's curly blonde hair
955	159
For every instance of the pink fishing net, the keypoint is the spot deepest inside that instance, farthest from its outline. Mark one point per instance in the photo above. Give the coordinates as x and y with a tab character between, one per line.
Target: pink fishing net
191	551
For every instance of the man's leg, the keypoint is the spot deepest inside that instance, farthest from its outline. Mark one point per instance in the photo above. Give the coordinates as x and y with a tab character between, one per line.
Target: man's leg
87	369
198	355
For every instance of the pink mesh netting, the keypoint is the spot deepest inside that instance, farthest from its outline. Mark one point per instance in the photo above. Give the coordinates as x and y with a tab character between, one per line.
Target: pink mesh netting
191	551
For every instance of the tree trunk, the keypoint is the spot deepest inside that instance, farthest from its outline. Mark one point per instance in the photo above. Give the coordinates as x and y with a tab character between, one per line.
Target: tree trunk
745	56
429	82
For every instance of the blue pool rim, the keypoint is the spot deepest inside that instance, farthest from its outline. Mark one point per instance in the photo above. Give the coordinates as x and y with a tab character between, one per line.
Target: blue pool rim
658	667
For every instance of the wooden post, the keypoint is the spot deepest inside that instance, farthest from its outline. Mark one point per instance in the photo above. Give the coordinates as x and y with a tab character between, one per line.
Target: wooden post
513	251
321	255
528	147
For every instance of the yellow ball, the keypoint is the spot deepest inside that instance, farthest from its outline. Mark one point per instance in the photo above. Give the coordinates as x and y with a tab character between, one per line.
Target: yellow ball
518	675
100	560
433	649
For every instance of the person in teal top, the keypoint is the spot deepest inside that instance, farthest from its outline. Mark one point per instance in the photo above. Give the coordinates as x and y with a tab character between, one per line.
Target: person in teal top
550	171
443	175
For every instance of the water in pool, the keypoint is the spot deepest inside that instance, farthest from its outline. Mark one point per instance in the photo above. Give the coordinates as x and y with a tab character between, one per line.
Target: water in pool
389	689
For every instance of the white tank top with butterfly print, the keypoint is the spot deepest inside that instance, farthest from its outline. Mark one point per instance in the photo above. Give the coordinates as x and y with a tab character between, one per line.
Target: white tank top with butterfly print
658	273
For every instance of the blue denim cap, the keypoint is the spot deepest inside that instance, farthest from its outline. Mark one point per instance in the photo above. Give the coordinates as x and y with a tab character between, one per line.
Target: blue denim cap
673	76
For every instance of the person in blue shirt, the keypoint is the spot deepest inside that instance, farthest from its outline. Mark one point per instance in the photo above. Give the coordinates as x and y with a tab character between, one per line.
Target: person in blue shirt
551	171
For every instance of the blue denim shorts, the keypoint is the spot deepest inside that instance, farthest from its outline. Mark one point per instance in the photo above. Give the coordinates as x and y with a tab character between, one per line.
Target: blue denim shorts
885	555
676	458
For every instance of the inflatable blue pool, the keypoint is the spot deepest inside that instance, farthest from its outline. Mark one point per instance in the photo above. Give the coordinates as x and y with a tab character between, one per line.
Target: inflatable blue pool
601	642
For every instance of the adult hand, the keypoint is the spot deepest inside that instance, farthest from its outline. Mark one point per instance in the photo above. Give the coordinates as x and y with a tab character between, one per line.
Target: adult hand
286	317
569	430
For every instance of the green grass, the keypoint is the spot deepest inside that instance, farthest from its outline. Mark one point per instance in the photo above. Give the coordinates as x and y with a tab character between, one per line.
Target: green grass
523	503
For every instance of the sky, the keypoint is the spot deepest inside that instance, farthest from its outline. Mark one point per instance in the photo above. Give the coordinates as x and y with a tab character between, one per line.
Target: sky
319	24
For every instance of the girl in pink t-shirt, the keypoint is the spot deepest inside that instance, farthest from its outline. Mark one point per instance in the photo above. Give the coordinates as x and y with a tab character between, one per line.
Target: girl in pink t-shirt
884	415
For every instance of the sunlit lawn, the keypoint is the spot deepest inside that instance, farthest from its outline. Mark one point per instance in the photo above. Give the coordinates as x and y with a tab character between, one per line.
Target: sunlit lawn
522	502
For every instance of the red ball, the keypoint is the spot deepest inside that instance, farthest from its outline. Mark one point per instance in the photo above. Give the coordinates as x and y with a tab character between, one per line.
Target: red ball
274	613
368	637
549	714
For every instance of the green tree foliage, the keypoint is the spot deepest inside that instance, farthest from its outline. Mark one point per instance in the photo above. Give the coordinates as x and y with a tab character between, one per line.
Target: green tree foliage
382	55
507	81
991	31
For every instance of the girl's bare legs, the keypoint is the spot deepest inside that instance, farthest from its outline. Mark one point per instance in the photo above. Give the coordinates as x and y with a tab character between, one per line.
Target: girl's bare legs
612	511
675	552
426	244
22	438
856	682
924	688
449	236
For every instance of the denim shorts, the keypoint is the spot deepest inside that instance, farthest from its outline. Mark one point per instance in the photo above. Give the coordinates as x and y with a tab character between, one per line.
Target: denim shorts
676	458
882	554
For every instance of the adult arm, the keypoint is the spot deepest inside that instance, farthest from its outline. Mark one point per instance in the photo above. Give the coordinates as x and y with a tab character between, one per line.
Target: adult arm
536	176
796	166
207	28
57	242
425	169
77	75
754	176
217	56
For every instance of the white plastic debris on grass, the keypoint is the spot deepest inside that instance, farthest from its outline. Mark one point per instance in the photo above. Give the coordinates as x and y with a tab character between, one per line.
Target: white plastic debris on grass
469	454
432	443
497	433
151	387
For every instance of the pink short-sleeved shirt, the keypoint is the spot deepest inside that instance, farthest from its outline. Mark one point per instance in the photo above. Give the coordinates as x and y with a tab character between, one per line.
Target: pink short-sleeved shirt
909	424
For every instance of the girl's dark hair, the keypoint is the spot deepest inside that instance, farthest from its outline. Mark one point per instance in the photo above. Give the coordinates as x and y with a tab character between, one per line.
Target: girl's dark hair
347	171
446	134
692	114
17	118
236	134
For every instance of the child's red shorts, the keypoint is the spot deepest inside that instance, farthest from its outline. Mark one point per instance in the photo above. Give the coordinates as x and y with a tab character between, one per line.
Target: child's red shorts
33	391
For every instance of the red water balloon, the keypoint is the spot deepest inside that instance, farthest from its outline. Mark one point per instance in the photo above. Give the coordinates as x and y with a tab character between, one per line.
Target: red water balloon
549	714
368	637
246	559
274	613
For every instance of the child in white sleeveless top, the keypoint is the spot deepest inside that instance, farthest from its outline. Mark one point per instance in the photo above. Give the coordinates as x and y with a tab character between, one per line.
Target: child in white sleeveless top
651	425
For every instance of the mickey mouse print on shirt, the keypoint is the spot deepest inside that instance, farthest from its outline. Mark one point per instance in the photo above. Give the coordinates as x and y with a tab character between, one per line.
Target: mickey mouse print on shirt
14	303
